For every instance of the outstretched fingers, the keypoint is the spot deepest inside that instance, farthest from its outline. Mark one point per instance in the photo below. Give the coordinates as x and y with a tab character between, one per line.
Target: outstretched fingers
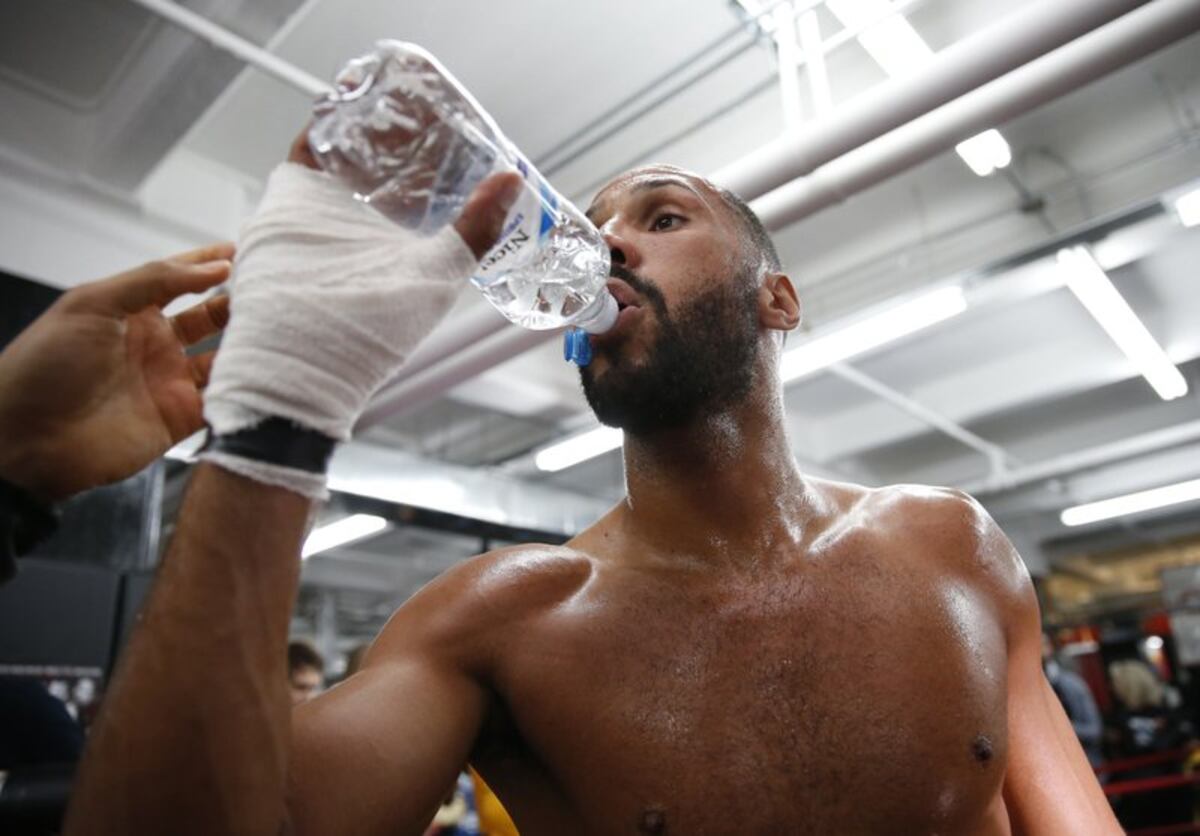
201	368
159	282
201	320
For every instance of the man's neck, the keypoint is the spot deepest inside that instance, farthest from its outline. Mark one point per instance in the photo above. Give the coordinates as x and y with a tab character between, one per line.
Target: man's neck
725	487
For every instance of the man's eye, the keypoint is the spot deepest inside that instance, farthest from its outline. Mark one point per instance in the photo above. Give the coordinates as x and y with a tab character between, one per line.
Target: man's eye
666	221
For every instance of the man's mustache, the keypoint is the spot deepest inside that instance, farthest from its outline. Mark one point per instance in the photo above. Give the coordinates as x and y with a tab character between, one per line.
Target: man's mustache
646	287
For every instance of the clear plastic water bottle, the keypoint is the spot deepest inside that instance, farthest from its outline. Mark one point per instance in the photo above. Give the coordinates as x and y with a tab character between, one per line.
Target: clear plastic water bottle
409	140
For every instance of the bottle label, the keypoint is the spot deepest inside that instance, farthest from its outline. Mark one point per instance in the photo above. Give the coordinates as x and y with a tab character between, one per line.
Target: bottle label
529	221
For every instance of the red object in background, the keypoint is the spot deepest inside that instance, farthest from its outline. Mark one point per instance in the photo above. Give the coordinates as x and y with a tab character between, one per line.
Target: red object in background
1088	661
1091	668
1158	624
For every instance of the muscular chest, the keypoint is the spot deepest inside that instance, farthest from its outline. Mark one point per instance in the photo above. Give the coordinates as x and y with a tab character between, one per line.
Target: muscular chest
858	697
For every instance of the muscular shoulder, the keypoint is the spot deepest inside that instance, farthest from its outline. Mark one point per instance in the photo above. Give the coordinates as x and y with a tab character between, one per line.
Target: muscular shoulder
465	608
953	534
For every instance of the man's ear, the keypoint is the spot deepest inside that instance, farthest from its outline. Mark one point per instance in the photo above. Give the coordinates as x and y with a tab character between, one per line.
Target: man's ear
778	304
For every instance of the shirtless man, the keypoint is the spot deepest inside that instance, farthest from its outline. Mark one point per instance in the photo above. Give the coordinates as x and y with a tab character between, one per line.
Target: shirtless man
735	648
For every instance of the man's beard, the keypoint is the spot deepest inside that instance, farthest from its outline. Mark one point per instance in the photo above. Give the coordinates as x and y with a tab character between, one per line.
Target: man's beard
700	363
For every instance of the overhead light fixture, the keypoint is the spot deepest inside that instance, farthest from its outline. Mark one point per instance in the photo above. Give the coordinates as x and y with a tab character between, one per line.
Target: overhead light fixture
1132	503
1187	207
872	332
1095	291
578	448
985	153
346	530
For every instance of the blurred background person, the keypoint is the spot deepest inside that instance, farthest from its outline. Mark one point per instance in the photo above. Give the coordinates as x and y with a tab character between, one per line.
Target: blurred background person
1147	723
1077	701
306	671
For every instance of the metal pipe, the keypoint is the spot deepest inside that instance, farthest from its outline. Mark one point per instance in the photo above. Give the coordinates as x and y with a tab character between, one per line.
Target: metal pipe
238	46
813	47
1026	34
1111	47
1092	457
466	364
788	55
997	457
464	332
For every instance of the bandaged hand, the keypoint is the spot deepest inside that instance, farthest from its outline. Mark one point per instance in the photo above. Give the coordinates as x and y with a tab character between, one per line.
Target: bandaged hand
328	300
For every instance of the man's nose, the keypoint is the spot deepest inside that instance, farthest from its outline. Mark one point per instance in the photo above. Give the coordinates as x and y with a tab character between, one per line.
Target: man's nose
621	249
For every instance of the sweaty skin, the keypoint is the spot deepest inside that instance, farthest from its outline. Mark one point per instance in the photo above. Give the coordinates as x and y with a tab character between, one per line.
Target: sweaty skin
734	648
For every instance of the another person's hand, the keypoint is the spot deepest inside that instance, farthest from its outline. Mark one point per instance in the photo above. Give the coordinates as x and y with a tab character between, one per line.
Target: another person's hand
99	386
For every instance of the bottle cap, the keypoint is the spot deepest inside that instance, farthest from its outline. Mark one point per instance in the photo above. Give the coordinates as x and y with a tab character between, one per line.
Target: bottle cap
605	318
577	348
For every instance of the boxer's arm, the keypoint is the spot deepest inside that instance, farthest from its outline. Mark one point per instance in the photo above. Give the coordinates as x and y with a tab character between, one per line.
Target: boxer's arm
193	737
1049	787
376	754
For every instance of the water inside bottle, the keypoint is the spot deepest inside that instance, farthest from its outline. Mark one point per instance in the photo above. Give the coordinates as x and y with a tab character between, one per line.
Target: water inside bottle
555	285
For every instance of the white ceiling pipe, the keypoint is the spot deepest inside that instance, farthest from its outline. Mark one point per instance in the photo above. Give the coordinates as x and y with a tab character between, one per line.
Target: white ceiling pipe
472	361
1109	48
1087	459
1024	35
998	458
788	59
456	335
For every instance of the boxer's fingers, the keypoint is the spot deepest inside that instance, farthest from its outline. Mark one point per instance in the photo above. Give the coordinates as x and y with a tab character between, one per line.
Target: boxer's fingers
483	217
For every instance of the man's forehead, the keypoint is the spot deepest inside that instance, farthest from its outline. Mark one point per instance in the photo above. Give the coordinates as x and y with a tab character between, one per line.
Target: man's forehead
651	177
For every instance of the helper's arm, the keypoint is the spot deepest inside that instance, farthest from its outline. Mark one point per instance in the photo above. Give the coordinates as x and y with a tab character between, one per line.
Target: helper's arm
193	737
1049	788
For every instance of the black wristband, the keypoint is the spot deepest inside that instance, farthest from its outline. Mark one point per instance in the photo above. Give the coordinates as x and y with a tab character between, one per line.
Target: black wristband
24	523
277	441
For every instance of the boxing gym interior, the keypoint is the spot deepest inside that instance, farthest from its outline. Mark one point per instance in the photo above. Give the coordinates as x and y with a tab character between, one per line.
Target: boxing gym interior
989	213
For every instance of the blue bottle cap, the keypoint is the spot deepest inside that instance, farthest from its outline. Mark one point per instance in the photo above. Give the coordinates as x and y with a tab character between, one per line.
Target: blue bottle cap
577	348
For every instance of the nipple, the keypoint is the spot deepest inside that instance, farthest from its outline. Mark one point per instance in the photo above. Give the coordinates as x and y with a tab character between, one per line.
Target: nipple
653	822
981	749
577	348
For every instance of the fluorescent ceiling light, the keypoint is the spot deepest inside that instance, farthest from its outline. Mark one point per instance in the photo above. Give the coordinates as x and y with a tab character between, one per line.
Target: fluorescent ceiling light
872	332
1095	291
985	152
346	530
1187	207
578	448
1132	503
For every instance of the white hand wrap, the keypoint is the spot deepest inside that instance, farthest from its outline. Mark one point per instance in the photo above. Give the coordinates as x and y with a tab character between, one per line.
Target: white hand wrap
328	299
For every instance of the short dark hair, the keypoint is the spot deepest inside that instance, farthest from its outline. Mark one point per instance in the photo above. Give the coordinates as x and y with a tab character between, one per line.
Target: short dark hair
301	654
754	233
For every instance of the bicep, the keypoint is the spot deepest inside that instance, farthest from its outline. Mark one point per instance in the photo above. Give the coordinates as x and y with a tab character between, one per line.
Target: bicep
1049	787
377	753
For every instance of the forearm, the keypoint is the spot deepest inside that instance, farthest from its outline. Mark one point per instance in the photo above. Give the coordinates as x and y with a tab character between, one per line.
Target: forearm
195	729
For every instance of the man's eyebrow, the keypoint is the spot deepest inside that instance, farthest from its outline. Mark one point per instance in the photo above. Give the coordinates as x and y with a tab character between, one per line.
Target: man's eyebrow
651	185
662	182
